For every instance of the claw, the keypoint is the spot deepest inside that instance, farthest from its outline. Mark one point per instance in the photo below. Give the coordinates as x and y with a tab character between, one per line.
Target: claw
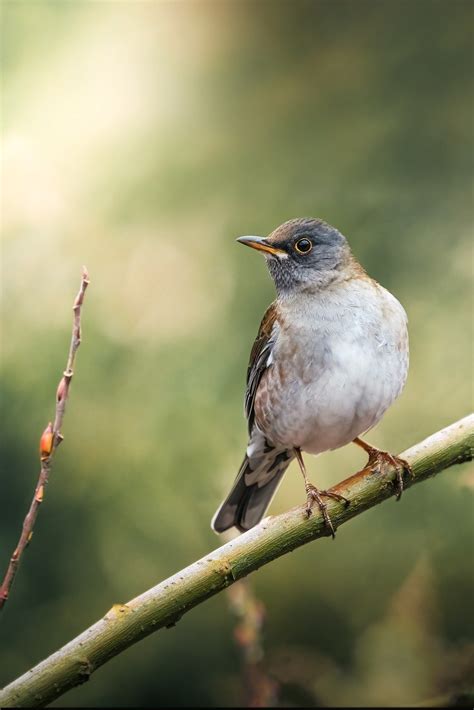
377	459
314	496
335	496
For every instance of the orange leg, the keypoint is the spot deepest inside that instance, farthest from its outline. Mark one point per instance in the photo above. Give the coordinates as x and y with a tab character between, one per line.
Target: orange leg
379	458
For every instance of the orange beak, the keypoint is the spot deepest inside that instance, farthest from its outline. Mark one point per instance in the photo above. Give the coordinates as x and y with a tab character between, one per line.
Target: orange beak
261	244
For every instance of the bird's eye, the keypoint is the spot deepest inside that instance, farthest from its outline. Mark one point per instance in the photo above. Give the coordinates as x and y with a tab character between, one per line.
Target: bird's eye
303	246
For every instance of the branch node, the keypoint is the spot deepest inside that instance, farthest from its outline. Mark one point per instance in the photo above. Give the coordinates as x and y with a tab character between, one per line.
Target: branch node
39	495
85	670
116	610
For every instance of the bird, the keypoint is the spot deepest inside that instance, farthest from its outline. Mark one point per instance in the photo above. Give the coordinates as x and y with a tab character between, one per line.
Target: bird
330	357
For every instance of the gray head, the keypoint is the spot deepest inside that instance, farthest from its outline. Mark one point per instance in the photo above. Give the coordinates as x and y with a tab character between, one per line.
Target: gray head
305	254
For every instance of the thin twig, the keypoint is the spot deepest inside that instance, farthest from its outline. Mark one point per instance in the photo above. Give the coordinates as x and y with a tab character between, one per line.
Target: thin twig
260	690
163	605
50	440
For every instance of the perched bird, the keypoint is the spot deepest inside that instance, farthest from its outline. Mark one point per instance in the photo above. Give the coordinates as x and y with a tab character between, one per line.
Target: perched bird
330	357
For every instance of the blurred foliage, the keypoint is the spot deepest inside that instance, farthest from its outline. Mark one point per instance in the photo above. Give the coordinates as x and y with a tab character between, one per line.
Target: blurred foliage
141	138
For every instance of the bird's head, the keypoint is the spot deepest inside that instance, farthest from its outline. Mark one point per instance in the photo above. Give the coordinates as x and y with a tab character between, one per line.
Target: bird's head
304	254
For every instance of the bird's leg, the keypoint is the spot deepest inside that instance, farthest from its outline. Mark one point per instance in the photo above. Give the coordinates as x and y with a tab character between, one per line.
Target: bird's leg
314	495
379	458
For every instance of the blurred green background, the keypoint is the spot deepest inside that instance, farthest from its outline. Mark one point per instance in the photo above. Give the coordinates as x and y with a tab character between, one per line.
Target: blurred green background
141	138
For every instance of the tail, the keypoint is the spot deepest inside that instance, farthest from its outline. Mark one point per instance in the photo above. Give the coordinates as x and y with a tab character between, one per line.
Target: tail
257	480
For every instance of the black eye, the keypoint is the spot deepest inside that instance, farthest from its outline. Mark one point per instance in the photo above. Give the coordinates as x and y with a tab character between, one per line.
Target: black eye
303	246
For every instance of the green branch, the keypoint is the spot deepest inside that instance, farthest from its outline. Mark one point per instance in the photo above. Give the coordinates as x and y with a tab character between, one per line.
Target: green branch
165	604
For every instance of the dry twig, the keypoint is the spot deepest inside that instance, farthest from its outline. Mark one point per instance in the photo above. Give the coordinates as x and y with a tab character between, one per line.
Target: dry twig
50	440
260	689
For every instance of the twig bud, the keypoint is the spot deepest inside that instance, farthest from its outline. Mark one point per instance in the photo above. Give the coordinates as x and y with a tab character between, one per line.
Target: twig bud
46	442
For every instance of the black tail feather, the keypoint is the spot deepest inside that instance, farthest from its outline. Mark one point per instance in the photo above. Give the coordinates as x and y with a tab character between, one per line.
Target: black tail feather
245	505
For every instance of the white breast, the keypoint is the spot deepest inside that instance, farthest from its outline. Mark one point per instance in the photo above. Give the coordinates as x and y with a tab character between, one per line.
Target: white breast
340	360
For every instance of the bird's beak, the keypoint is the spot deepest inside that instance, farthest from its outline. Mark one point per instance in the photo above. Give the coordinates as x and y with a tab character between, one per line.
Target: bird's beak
261	244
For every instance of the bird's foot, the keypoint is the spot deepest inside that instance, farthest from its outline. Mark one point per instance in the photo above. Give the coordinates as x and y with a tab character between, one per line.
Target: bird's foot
379	459
314	495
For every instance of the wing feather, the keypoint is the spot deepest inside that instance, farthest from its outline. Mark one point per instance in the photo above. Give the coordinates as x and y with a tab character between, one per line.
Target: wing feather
264	464
260	357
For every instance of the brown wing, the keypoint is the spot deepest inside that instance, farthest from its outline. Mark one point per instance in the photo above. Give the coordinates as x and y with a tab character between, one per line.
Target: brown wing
258	361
